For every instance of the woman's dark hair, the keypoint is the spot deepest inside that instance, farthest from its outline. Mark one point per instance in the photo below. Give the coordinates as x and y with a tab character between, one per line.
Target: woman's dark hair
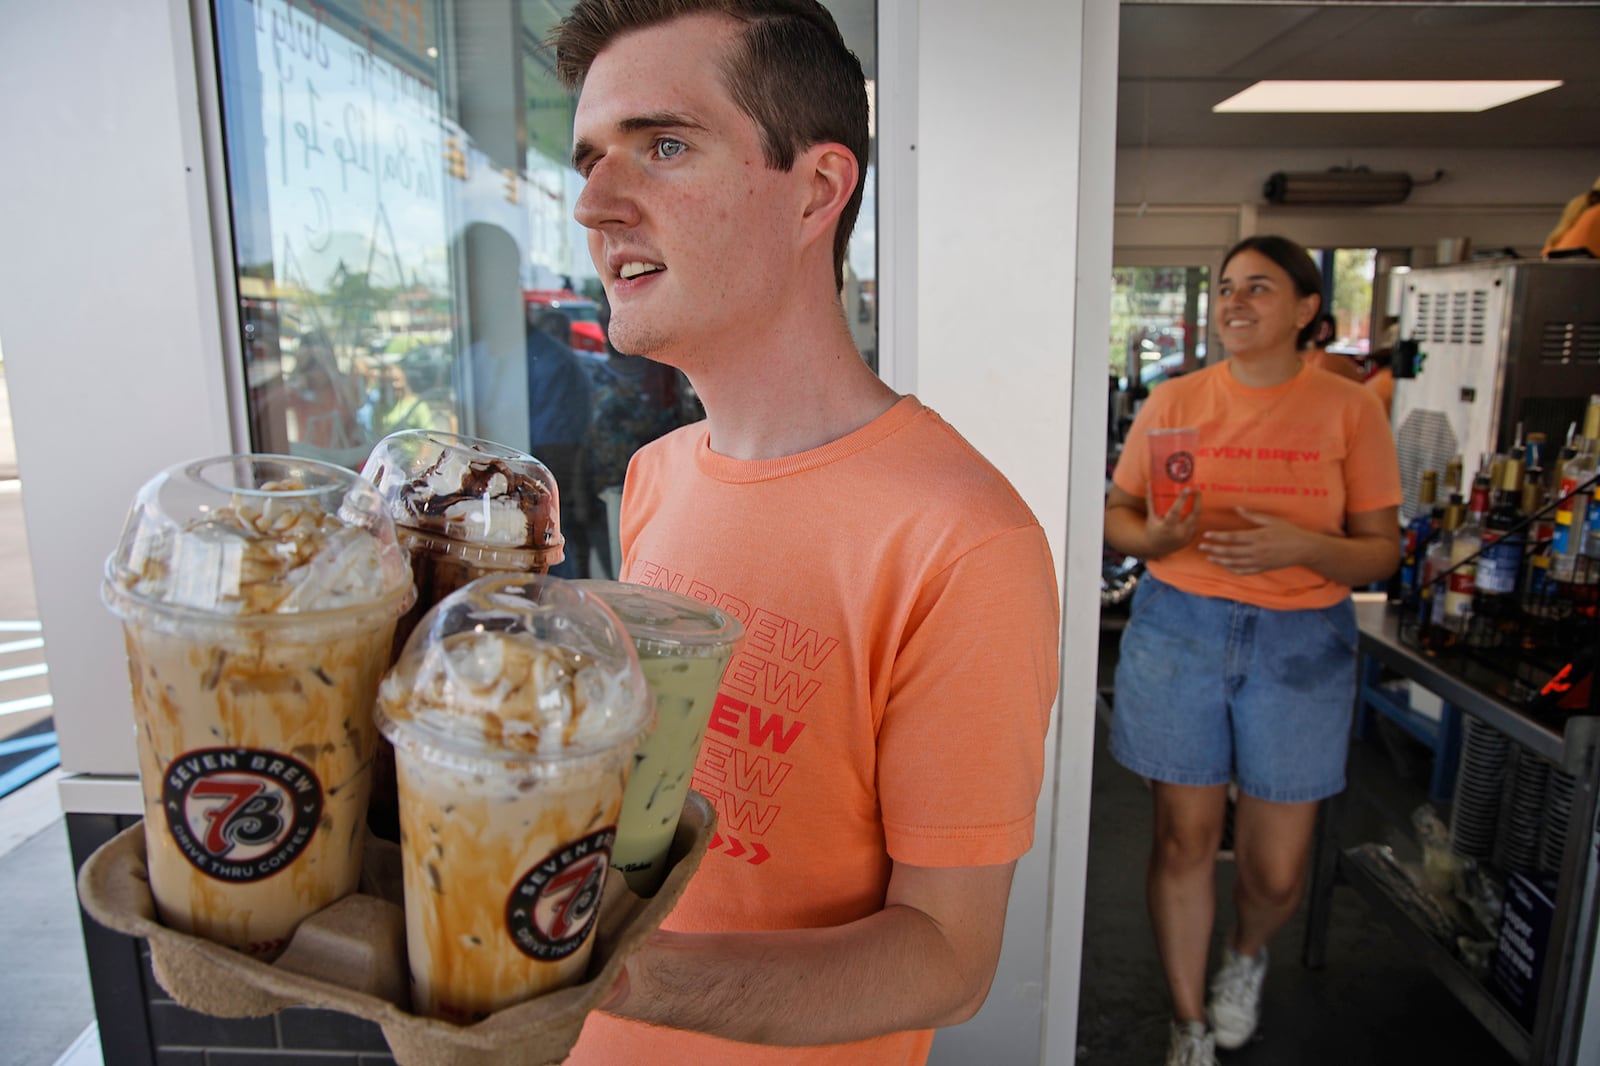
1294	261
1323	329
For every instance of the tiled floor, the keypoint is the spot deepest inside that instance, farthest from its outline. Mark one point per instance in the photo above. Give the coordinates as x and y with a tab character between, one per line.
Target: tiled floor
1371	1004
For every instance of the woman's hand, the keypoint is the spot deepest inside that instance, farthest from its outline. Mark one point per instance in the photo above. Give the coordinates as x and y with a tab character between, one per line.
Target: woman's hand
1272	545
1173	530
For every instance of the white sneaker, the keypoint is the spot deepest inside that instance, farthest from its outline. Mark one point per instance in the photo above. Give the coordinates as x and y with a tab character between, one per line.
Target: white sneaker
1191	1045
1235	1007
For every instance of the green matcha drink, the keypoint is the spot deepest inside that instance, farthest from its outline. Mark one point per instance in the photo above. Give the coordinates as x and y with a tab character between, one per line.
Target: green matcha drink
684	646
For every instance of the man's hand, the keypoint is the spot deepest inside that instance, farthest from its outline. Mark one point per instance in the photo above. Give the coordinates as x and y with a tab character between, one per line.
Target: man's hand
1272	545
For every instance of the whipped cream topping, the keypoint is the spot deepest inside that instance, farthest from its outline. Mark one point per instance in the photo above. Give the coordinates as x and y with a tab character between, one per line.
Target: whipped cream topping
261	555
508	692
479	499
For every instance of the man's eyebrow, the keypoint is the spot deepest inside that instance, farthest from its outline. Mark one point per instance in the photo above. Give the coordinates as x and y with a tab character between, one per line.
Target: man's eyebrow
661	120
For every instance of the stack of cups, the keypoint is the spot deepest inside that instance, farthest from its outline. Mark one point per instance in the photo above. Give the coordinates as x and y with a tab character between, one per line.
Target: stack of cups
684	646
515	711
1480	781
464	508
258	596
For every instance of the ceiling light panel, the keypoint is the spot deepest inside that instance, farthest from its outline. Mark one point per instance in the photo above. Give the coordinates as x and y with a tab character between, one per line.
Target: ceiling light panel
1369	97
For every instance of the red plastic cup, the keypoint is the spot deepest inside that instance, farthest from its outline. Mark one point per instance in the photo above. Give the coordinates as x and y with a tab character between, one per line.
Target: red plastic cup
1171	464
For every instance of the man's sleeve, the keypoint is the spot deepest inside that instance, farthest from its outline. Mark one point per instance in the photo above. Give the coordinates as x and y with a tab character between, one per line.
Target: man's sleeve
961	744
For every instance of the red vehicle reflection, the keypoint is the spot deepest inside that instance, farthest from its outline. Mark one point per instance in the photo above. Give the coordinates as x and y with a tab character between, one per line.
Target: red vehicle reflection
584	314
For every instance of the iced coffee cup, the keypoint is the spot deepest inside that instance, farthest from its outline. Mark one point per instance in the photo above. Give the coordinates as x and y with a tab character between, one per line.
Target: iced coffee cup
684	646
258	596
515	711
464	508
1171	464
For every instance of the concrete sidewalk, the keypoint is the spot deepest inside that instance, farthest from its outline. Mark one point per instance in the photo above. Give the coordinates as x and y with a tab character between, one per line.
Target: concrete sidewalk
45	1002
8	445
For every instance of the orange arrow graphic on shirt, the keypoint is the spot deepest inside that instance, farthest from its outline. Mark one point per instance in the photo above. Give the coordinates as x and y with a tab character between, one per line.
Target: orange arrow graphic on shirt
735	849
758	855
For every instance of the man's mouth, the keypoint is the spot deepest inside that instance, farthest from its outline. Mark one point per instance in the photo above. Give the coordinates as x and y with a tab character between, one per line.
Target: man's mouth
637	269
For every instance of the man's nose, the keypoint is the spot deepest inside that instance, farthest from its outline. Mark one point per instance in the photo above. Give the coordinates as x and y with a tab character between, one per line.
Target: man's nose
607	197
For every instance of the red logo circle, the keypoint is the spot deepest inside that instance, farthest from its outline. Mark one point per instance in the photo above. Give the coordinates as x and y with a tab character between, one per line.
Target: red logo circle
239	814
556	903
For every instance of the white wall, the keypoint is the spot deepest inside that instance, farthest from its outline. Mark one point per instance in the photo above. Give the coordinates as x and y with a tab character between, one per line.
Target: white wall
1201	200
108	304
1012	107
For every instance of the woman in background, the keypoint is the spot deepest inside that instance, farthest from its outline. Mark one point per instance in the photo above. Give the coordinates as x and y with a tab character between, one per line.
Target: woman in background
1239	659
1315	350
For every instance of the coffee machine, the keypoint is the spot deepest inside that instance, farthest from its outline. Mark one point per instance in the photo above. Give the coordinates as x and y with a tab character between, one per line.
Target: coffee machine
1485	347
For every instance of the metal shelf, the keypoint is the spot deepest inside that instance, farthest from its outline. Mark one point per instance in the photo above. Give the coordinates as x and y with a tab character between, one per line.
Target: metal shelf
1445	966
1567	747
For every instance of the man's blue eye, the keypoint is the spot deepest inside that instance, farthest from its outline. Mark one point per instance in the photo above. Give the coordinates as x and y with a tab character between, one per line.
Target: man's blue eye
669	148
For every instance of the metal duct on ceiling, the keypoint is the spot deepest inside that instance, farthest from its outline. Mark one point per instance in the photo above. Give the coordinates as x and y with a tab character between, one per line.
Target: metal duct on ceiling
1338	187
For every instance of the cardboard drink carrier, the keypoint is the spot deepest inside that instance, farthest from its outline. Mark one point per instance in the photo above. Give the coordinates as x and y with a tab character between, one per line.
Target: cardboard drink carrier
351	956
259	596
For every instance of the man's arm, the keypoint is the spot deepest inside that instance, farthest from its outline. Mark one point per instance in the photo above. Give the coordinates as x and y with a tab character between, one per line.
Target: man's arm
925	960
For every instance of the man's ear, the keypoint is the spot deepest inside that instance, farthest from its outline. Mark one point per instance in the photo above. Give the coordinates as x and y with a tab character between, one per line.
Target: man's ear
834	173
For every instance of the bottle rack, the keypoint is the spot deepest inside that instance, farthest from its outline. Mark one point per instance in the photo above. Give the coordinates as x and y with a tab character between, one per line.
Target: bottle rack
1540	651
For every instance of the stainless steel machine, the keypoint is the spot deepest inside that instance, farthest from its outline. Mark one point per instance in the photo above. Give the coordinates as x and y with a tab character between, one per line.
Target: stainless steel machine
1498	343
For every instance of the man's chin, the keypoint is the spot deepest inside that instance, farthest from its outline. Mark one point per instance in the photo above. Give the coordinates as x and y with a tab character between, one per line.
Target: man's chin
634	340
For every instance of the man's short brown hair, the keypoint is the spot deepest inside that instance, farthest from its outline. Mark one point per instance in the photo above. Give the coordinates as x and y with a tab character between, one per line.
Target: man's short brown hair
791	73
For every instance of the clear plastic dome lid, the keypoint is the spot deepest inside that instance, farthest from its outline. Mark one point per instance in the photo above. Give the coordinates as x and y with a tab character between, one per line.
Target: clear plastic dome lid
664	623
522	666
257	535
468	490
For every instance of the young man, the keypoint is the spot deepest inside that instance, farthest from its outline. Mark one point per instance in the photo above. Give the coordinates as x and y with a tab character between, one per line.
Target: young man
876	749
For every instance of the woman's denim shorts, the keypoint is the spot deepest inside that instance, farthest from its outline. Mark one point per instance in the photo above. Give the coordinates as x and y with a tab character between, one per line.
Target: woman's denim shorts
1212	689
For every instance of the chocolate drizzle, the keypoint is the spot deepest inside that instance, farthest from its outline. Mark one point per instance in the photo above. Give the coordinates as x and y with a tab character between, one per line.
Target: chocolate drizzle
428	507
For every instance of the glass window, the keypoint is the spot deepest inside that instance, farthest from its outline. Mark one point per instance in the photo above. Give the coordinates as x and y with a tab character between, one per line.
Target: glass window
1158	319
405	249
1347	276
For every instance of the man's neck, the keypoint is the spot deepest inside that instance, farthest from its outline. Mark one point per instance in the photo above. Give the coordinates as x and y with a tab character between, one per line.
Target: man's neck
792	389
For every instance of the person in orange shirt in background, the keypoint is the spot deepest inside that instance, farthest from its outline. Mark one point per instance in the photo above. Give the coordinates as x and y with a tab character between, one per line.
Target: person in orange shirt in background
1315	350
1239	658
1579	227
877	747
1381	380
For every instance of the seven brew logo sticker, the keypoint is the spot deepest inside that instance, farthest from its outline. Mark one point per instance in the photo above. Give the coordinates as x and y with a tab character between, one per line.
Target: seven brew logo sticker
239	814
1180	466
556	902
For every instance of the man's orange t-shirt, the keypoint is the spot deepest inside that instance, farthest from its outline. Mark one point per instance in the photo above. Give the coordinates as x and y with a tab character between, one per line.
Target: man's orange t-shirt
1308	451
888	702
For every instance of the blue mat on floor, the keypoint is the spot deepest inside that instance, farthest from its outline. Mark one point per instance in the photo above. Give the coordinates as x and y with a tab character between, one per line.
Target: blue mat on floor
27	755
